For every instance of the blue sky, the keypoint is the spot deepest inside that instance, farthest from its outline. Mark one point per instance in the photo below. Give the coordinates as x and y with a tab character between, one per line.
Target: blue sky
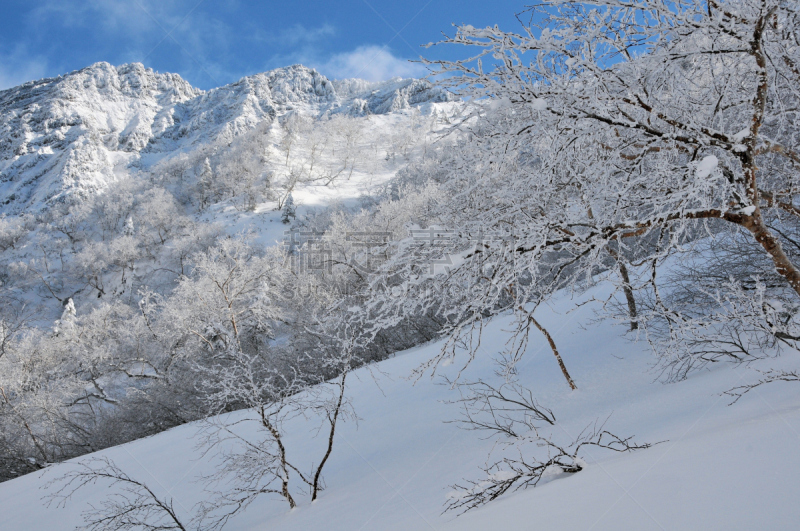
214	42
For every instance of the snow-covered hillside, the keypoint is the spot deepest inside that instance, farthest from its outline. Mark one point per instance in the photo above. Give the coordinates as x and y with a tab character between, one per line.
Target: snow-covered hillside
718	467
124	177
78	133
229	157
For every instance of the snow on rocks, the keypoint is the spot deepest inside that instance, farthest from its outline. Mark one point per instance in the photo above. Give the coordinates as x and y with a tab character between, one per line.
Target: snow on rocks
74	134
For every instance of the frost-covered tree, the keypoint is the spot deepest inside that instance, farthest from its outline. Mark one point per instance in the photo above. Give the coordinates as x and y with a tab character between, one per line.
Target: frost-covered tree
288	212
252	465
129	229
293	126
13	229
49	382
346	148
205	183
615	132
132	504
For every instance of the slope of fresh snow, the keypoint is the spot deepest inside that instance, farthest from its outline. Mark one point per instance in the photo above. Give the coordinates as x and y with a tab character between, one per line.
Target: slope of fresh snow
720	467
263	223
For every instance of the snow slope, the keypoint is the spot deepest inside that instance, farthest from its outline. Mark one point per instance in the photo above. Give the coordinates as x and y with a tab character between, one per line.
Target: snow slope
720	467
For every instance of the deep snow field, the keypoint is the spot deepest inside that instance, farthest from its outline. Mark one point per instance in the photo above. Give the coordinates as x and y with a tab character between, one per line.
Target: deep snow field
719	467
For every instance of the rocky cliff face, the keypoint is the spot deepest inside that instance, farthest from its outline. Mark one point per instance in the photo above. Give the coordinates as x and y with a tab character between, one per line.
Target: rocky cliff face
72	135
60	135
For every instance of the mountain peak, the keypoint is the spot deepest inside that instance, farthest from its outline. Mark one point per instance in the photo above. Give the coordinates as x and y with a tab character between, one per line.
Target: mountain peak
66	135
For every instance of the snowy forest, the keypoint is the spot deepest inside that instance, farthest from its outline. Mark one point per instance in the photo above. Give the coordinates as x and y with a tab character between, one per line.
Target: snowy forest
235	259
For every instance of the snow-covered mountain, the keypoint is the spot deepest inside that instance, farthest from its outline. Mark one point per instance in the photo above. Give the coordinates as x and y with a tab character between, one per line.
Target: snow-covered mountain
75	133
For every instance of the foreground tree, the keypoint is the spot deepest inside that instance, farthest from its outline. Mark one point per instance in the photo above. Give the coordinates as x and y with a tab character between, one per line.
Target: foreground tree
615	134
252	464
695	99
131	505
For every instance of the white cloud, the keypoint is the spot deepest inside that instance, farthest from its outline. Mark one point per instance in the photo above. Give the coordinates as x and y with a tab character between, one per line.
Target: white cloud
373	63
299	35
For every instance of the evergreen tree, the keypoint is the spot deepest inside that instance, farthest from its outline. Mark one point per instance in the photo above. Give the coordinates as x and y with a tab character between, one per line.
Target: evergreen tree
288	210
129	229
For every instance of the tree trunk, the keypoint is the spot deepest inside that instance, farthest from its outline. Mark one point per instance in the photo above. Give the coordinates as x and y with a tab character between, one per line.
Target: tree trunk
626	288
544	331
332	418
773	247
